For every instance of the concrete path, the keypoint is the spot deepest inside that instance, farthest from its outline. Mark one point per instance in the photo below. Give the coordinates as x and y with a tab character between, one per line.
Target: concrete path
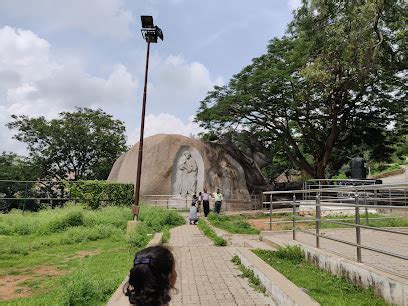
206	275
394	243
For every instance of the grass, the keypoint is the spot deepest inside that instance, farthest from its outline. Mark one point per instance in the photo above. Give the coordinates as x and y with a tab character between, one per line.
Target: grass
254	281
232	224
88	249
324	287
209	232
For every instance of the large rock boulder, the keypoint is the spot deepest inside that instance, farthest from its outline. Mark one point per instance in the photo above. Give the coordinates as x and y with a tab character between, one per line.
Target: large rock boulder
175	164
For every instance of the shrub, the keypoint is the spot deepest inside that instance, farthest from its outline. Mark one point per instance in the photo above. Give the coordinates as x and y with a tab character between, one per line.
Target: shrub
65	221
232	224
157	218
109	215
96	193
82	234
140	236
293	253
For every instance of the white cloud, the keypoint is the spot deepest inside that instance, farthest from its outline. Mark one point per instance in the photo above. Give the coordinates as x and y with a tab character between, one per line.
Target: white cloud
294	4
33	83
97	17
178	85
165	124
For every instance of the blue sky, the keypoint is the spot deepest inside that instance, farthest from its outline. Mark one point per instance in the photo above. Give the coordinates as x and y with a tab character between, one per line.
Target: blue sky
56	55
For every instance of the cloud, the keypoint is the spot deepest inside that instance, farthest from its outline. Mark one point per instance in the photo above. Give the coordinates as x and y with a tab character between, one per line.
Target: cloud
97	17
294	4
165	124
34	83
178	85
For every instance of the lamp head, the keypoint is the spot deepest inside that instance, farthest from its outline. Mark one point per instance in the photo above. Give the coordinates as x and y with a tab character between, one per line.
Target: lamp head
150	32
147	22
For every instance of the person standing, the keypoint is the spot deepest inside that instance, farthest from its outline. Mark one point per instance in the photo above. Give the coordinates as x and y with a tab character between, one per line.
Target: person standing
218	201
199	201
205	196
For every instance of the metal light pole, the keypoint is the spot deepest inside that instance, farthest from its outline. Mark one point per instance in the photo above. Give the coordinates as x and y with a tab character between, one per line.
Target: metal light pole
150	33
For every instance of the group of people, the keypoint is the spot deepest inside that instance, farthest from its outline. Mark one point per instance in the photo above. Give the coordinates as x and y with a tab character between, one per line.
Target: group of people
204	198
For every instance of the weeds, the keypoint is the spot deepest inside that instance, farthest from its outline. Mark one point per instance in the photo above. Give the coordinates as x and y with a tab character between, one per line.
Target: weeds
232	224
324	287
209	232
248	273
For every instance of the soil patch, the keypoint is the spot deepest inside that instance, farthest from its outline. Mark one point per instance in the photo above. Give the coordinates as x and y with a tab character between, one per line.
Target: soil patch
83	254
262	226
46	271
10	288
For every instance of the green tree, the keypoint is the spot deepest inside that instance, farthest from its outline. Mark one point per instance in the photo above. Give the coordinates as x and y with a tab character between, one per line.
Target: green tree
336	81
78	145
15	168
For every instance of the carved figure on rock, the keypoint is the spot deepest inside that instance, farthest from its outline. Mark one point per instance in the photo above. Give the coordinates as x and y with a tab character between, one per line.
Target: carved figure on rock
187	174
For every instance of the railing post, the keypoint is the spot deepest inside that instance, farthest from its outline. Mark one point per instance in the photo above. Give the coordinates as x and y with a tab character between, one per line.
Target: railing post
366	209
294	217
358	229
270	213
25	195
389	195
318	216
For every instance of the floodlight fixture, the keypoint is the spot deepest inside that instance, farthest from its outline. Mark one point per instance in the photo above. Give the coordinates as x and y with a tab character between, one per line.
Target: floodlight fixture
147	21
150	32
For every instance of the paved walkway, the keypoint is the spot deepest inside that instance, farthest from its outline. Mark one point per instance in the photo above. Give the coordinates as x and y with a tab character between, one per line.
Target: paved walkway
206	275
394	243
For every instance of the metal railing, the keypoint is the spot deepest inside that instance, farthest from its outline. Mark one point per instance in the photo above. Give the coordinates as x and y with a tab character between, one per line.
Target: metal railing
254	202
346	197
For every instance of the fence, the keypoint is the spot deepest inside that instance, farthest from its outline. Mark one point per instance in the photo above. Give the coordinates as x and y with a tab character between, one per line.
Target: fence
32	195
346	197
254	202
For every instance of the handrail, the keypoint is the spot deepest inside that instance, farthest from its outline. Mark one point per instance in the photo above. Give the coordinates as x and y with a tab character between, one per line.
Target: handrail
365	196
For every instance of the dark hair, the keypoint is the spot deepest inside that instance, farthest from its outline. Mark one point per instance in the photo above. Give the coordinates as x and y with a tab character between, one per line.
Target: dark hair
149	283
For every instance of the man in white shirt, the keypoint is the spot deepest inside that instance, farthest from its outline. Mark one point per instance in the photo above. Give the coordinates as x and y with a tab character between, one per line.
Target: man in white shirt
205	196
218	201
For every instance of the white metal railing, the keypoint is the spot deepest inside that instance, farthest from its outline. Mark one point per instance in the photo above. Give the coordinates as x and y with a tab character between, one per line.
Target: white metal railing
387	196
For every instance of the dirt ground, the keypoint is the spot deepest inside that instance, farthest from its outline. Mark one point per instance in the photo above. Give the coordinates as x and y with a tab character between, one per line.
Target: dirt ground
262	226
12	286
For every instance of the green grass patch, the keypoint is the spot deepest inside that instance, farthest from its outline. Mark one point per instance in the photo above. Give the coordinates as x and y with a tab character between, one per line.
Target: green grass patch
324	287
209	232
232	224
89	249
254	280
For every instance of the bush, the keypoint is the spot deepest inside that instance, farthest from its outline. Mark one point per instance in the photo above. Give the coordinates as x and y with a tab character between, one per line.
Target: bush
83	234
140	236
97	193
293	253
232	224
157	218
70	219
62	219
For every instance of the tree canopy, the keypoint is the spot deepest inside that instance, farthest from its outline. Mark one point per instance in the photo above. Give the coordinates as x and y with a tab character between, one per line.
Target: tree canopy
334	84
78	145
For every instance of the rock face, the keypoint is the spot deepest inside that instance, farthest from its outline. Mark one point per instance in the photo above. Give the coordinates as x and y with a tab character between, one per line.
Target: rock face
175	164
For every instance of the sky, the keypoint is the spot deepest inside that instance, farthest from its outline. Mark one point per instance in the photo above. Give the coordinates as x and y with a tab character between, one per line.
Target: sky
57	55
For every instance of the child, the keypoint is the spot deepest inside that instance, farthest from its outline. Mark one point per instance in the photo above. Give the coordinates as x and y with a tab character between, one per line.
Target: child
193	214
151	278
200	199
